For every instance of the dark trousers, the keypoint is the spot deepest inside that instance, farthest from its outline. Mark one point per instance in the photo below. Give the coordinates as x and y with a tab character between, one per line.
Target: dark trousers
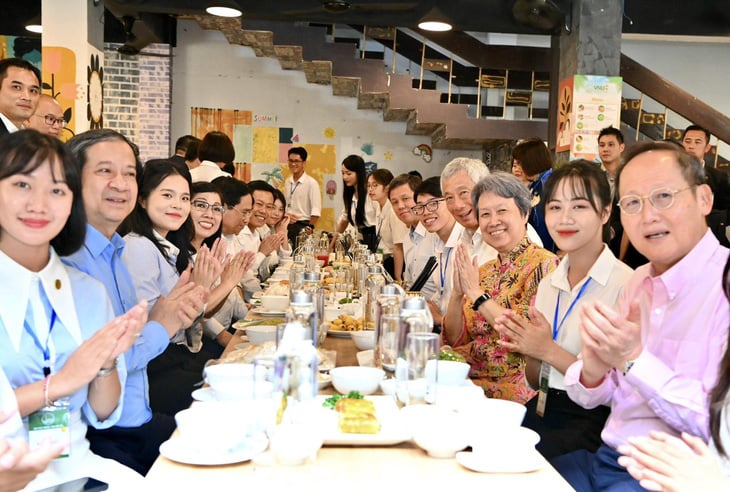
566	426
599	471
135	447
389	265
173	375
293	230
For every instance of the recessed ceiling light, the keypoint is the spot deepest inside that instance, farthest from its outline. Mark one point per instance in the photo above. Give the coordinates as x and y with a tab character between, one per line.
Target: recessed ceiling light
223	11
34	25
435	20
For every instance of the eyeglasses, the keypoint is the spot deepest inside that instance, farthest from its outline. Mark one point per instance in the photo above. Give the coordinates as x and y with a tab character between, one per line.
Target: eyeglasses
244	214
429	206
660	199
292	161
372	186
202	206
52	120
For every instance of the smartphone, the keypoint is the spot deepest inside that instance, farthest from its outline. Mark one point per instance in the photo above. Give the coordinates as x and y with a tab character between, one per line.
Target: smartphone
86	484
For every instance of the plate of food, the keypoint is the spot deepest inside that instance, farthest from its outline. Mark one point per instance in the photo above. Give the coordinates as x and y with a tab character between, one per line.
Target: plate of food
242	324
344	325
268	313
369	421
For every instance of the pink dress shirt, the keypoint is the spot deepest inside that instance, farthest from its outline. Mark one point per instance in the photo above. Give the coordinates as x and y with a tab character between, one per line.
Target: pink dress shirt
684	317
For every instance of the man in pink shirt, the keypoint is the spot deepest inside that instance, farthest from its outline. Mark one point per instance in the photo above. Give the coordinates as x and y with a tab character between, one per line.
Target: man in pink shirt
655	357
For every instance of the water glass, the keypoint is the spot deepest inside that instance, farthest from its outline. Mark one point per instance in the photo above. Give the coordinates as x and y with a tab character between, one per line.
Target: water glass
417	373
387	343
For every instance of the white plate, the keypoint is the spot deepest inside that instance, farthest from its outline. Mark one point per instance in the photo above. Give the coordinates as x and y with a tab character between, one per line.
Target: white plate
392	430
178	449
324	380
265	312
204	394
366	358
527	462
338	333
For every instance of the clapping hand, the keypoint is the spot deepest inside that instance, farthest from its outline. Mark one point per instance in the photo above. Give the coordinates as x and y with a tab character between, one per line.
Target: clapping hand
207	268
181	306
466	272
530	338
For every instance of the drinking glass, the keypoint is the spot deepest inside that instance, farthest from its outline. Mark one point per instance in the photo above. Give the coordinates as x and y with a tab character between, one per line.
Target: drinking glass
417	374
387	343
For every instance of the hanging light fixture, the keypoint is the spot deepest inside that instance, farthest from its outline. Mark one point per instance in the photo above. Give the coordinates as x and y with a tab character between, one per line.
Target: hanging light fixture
34	25
436	21
224	9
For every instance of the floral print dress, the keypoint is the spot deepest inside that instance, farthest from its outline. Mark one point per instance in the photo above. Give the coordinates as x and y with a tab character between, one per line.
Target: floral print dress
512	282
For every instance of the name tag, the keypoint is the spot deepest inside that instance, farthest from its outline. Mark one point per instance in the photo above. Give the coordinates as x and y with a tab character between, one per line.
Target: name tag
50	424
542	393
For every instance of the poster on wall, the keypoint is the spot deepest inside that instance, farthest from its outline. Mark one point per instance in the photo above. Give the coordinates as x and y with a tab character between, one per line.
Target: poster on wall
586	105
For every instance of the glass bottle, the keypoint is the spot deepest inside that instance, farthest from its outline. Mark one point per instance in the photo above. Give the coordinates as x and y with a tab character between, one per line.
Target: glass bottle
302	310
387	319
374	282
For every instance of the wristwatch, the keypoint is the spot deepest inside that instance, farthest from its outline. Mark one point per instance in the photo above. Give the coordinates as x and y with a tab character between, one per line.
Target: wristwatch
628	365
480	300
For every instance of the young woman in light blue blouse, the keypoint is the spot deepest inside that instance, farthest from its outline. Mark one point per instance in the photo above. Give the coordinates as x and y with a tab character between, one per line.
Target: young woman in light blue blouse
59	343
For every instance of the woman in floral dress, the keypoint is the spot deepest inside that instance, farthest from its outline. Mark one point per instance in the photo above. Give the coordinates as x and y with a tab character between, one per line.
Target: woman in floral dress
480	294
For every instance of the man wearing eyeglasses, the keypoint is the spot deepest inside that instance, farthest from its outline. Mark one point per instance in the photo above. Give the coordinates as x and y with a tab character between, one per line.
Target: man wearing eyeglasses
655	356
302	193
48	117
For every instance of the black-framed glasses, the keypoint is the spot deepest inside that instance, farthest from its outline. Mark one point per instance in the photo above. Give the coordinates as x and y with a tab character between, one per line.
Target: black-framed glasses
52	120
202	206
292	161
660	199
245	214
429	206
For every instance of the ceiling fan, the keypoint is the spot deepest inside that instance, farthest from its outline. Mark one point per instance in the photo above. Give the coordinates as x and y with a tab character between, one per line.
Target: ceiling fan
340	6
543	15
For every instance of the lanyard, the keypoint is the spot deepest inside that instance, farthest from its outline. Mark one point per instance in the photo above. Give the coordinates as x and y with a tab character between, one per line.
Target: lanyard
443	268
45	350
556	325
293	188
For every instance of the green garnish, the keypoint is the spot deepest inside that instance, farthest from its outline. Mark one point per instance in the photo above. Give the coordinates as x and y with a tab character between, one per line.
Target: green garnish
332	400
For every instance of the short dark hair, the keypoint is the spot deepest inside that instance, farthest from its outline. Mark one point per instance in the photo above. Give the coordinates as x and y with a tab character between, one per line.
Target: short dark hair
231	190
19	63
154	172
691	168
586	181
216	147
533	155
184	142
26	150
192	151
697	128
300	151
416	174
404	179
382	176
80	144
260	185
610	130
430	186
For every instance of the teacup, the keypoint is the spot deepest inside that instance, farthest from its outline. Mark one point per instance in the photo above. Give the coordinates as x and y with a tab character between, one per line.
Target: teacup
206	426
504	446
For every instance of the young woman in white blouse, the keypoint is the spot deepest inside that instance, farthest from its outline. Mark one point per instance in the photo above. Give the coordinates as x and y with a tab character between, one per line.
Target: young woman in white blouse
360	212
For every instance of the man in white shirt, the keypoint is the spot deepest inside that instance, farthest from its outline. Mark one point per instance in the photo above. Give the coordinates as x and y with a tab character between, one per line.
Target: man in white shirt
263	203
215	152
400	194
302	193
457	180
20	89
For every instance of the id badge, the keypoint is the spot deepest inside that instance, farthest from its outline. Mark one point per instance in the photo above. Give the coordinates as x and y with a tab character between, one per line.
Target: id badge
543	391
50	424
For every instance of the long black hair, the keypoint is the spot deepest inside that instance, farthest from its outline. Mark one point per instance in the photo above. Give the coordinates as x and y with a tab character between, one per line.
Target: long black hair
139	222
25	151
356	164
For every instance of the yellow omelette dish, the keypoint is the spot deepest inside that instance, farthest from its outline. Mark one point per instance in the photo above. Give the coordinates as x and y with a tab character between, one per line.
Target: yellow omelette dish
357	416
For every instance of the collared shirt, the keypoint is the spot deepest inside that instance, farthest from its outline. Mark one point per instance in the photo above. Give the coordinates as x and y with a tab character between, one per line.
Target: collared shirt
251	241
249	282
607	278
438	286
13	426
303	197
413	262
102	259
207	171
82	308
684	320
372	209
611	180
9	125
390	229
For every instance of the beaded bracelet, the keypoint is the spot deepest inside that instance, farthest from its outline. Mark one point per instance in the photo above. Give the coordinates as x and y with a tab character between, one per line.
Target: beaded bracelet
46	385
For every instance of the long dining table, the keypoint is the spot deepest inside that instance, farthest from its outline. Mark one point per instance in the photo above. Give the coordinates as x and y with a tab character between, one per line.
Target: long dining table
347	468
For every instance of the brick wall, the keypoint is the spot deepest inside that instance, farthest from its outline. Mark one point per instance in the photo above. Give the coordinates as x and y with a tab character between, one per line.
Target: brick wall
137	97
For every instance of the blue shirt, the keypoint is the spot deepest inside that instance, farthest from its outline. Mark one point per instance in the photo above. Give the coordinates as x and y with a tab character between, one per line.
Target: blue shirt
537	216
102	259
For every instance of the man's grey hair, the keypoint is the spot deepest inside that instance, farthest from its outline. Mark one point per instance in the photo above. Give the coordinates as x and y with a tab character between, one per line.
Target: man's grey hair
504	185
474	168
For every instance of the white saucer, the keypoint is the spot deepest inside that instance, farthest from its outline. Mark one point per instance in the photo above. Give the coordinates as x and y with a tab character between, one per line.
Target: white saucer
178	449
265	312
527	462
204	394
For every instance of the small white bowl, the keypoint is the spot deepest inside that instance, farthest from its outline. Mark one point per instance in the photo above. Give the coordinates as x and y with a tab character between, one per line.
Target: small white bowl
272	302
499	414
215	374
204	425
259	334
437	430
504	446
452	373
355	378
364	339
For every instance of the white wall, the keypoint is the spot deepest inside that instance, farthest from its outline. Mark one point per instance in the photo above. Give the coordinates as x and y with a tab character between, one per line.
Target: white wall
209	72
